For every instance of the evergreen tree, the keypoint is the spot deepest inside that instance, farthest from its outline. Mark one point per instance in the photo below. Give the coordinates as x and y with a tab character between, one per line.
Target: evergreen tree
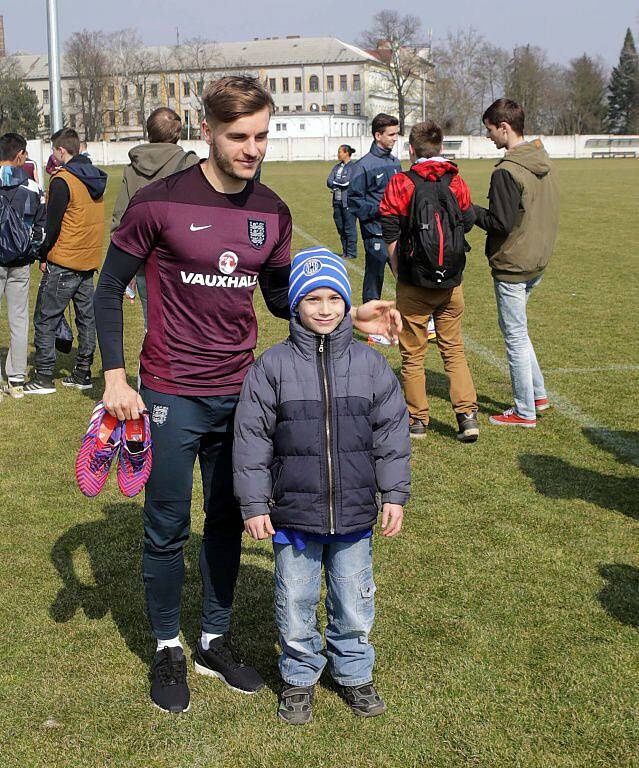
623	91
19	110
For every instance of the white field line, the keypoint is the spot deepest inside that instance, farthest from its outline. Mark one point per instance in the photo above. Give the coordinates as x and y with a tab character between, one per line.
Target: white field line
612	368
563	405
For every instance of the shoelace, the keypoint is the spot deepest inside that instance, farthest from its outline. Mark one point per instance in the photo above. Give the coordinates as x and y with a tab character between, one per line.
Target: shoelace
228	653
136	459
100	458
171	670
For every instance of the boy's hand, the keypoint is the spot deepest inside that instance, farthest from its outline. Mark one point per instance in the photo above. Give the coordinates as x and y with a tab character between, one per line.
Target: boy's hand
395	514
259	527
378	317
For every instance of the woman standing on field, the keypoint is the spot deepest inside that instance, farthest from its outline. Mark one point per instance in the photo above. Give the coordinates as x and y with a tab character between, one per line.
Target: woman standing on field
338	181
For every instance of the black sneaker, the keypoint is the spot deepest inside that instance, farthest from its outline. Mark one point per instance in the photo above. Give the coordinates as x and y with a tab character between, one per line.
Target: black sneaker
363	699
169	689
417	428
40	385
296	705
222	660
79	379
468	427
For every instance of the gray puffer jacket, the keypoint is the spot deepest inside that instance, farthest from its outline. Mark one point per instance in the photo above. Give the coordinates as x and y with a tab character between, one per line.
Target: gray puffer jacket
320	427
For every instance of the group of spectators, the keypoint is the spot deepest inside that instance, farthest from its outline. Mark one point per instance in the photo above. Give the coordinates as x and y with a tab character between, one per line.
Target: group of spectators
521	224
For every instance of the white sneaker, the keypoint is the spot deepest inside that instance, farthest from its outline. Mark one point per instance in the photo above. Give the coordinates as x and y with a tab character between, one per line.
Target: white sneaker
431	332
376	338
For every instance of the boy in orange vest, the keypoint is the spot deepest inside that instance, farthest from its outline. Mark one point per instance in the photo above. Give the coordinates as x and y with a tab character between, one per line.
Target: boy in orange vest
71	254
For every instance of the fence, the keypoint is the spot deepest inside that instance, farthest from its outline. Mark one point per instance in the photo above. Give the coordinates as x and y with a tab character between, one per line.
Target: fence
292	148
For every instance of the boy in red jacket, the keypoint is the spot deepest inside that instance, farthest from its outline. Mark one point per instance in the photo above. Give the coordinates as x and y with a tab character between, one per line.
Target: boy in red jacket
422	291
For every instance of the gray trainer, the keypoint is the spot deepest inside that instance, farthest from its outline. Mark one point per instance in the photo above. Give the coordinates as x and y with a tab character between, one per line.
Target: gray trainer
363	699
296	705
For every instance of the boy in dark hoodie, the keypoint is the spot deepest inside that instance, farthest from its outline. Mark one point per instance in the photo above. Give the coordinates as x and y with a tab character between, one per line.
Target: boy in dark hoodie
159	158
71	254
417	302
320	429
521	225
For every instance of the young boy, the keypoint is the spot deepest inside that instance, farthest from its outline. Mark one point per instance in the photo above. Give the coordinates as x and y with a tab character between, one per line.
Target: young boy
321	427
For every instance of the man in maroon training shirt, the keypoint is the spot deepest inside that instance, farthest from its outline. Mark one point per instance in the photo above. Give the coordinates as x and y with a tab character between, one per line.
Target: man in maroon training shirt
208	236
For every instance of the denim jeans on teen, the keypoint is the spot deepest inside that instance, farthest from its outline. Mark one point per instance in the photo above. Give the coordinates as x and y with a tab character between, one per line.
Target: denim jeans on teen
525	374
350	608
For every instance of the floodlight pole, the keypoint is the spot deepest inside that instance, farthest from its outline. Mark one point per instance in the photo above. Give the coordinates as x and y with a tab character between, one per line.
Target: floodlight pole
55	89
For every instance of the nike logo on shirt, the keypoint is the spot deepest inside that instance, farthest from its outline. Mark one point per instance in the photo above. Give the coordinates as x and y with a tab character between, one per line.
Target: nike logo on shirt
379	176
196	229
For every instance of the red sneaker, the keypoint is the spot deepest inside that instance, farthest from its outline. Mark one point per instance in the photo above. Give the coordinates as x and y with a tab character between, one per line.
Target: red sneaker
542	404
511	418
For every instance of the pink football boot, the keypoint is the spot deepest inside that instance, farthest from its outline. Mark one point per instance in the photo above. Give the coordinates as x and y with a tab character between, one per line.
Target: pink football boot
136	456
100	446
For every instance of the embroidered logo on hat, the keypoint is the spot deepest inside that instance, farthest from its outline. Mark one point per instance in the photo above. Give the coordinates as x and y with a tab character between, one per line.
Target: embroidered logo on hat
312	267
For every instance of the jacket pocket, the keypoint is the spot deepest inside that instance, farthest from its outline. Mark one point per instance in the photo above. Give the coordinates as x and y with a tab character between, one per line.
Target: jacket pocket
276	474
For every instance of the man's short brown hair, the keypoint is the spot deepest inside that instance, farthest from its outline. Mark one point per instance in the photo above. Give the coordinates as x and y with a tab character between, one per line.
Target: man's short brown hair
505	111
381	122
426	139
66	138
164	126
229	98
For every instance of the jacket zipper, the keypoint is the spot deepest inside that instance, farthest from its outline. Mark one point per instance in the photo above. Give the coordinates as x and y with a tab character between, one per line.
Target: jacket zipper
327	426
441	240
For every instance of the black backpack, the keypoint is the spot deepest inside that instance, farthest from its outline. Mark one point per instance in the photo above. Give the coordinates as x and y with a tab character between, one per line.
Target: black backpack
434	248
15	235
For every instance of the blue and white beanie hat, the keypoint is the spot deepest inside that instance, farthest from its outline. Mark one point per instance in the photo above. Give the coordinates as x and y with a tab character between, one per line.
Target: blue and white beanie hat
317	268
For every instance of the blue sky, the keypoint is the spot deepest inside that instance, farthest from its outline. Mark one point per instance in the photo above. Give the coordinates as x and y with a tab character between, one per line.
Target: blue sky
566	28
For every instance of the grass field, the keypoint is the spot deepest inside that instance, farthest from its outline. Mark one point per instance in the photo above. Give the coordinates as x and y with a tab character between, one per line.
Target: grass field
507	611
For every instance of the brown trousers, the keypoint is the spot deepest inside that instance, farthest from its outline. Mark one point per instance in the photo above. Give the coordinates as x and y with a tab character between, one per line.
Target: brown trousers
416	305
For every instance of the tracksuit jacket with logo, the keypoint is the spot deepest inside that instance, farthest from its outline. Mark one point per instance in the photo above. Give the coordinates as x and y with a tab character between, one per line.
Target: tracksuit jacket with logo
369	179
320	428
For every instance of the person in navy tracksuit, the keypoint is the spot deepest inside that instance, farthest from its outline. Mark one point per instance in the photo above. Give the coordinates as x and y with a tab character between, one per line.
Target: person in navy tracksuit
369	178
338	181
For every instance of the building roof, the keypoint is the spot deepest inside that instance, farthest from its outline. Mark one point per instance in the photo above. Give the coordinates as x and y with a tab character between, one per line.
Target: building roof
269	52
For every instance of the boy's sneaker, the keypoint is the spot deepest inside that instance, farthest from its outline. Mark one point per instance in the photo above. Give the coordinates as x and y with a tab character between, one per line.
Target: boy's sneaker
296	705
136	458
222	660
15	388
100	446
80	379
363	699
541	405
169	689
511	418
417	428
377	338
431	332
468	427
39	385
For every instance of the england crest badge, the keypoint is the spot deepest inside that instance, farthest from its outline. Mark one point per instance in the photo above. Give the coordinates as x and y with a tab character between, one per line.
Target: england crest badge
257	232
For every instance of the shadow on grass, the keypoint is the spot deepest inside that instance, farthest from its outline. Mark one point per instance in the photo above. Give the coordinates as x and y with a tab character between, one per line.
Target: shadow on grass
113	546
558	479
620	596
623	445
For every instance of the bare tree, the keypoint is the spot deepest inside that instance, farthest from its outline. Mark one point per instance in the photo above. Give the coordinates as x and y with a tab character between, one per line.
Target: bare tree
527	82
395	40
87	60
196	58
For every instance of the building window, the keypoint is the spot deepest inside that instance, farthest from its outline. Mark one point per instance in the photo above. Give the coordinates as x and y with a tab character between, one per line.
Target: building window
125	92
139	90
330	108
125	118
111	93
154	90
302	126
298	107
199	87
357	109
343	108
172	90
314	107
356	83
298	84
272	85
186	88
330	83
72	120
286	109
47	121
285	85
140	117
343	82
45	96
313	84
72	95
187	117
112	118
280	126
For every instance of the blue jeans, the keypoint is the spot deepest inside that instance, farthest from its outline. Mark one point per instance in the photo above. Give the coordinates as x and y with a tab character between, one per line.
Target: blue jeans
525	374
350	607
346	225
